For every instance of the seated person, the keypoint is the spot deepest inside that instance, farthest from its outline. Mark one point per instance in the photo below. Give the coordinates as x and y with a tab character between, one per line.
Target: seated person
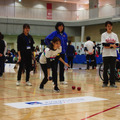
9	57
15	59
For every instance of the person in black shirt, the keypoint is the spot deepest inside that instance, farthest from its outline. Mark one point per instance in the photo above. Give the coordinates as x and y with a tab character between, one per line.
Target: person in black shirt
25	48
70	52
2	48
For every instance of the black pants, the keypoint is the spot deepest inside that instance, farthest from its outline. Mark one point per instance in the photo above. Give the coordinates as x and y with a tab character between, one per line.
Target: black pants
70	60
1	65
109	62
61	68
54	72
88	58
26	63
95	64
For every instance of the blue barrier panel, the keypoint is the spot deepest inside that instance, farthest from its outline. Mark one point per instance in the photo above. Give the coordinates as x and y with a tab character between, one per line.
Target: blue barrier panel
81	59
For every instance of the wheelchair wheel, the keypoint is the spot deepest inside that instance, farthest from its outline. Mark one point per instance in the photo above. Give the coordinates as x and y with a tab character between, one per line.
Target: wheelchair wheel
116	76
101	72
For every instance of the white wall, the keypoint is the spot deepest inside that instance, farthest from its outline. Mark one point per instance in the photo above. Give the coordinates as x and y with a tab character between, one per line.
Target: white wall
36	9
106	11
7	8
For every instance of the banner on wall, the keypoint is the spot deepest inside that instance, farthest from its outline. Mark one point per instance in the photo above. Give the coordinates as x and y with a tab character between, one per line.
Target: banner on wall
49	10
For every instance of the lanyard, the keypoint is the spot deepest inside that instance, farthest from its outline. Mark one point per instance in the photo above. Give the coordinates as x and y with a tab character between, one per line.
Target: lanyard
27	39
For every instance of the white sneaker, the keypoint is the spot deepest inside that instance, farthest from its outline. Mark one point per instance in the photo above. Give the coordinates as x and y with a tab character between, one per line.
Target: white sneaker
63	83
28	83
18	83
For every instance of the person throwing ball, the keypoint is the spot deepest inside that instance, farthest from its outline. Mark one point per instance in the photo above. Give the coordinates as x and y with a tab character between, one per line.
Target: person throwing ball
49	59
109	41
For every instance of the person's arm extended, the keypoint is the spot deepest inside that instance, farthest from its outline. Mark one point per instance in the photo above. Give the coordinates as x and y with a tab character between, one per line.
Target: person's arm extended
63	62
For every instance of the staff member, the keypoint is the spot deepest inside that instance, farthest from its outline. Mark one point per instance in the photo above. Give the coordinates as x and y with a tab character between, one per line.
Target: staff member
2	48
63	37
89	49
70	52
109	41
25	47
5	51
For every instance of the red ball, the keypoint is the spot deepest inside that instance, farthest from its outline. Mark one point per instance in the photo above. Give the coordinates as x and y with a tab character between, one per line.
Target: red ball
73	87
75	53
79	88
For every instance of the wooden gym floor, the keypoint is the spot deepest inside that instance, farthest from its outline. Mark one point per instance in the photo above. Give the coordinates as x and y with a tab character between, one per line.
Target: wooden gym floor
89	82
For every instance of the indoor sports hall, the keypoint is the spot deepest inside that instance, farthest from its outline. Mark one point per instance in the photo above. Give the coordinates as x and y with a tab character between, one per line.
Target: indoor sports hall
60	59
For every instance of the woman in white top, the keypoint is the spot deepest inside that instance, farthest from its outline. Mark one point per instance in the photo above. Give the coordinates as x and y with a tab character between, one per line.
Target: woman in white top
49	60
109	41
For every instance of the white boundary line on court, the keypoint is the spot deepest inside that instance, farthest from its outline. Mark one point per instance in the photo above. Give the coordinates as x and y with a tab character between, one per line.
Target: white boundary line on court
52	102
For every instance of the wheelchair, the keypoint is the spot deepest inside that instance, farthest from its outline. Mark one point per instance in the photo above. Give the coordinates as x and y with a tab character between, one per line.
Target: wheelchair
101	73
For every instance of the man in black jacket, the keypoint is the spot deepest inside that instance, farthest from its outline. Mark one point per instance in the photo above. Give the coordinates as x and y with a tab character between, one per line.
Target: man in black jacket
2	48
25	48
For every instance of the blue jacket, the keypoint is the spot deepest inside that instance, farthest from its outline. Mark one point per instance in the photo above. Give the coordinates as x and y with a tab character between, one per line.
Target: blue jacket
63	38
70	52
118	55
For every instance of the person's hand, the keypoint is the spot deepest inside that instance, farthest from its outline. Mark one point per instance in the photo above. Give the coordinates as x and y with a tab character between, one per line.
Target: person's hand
113	46
1	55
117	60
67	65
90	53
19	58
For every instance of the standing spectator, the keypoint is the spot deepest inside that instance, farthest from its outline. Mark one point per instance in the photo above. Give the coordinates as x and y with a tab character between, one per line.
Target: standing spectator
37	53
5	51
89	49
25	48
98	49
60	33
95	50
70	52
109	41
2	48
